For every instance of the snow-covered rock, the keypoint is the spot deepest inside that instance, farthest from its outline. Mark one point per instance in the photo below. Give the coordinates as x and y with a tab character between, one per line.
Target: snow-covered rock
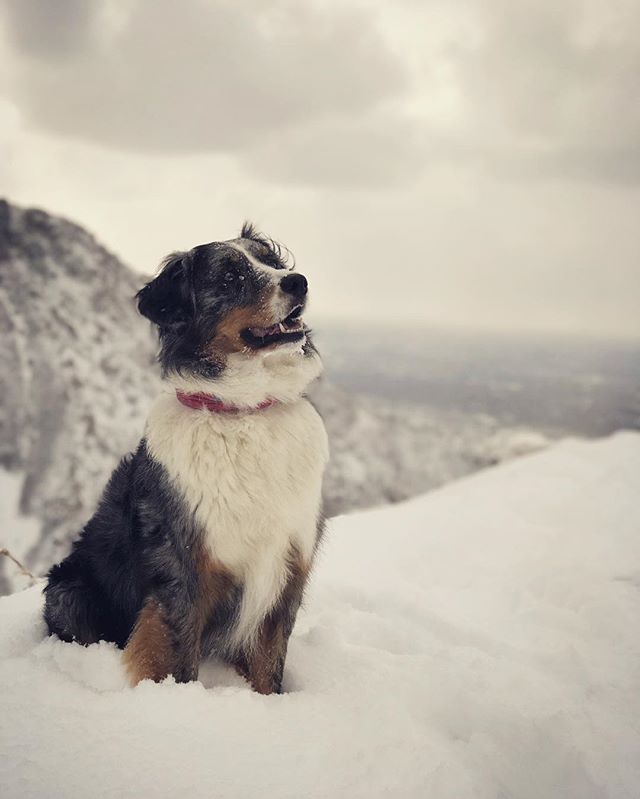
76	372
384	451
480	641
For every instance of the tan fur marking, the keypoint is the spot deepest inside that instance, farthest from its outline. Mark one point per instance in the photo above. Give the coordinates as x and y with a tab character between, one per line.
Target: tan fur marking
149	651
227	338
215	582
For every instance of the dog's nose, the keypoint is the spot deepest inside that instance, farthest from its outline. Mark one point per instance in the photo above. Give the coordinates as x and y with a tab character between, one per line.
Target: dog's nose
294	284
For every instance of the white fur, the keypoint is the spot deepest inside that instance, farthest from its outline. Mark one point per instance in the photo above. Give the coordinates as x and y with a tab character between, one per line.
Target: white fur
253	480
274	272
252	376
280	305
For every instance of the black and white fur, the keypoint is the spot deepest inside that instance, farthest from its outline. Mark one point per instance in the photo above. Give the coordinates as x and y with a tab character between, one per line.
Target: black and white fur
204	537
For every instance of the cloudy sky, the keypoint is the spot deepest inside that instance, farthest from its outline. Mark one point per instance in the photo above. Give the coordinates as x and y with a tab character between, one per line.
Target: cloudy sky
452	162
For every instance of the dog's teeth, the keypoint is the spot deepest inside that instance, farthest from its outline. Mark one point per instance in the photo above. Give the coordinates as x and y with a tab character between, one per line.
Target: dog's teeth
293	326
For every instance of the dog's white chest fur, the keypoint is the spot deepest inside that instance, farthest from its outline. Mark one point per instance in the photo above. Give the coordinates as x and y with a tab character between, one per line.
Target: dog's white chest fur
253	482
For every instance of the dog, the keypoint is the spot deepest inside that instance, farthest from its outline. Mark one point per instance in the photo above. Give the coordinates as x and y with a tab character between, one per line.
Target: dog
204	538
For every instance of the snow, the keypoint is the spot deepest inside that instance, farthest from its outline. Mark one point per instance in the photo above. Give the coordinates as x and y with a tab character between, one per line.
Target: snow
480	641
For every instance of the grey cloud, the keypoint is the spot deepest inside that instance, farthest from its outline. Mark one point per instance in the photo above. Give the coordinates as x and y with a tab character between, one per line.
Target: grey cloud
380	151
194	76
552	89
613	165
546	90
42	30
319	95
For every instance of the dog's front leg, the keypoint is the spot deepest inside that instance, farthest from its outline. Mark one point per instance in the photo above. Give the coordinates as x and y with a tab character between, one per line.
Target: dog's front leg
165	640
265	663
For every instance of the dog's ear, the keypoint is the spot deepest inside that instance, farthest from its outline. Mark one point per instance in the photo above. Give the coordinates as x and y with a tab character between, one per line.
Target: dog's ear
167	300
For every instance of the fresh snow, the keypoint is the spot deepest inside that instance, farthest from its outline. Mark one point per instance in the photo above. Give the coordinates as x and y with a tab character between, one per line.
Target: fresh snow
481	641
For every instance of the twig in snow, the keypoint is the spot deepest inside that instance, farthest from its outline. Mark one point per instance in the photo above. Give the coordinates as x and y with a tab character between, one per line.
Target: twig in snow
22	568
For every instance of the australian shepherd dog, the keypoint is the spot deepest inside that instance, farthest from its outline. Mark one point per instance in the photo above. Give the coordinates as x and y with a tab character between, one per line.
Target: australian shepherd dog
204	537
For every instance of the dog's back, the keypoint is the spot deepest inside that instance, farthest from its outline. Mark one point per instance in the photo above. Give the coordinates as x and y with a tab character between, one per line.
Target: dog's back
95	593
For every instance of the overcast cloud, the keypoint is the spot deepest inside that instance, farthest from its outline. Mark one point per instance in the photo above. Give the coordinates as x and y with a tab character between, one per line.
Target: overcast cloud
468	163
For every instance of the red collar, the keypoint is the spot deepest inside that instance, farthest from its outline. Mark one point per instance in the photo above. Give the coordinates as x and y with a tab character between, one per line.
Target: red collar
200	400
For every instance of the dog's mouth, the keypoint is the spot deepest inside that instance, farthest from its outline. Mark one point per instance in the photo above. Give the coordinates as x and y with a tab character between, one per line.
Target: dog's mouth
289	329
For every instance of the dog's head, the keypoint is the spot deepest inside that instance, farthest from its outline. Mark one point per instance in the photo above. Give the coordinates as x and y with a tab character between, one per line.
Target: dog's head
229	316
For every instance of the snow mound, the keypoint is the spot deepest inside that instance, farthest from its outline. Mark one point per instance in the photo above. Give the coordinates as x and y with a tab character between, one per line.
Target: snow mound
481	641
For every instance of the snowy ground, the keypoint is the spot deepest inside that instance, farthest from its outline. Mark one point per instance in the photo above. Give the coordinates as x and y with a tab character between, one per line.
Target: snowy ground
482	641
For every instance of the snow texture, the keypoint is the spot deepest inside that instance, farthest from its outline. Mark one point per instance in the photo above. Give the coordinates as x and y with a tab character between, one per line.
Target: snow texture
480	641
